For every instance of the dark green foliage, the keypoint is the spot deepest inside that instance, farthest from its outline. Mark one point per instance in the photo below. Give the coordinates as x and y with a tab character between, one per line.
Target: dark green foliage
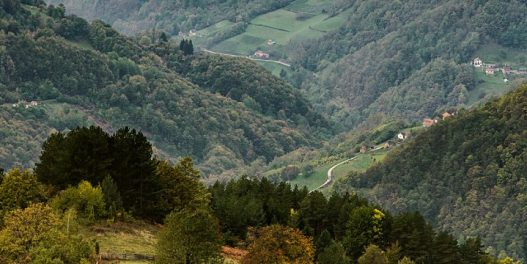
333	254
180	186
91	154
322	242
409	60
73	27
82	154
243	203
466	174
135	16
112	197
105	78
343	225
241	79
186	47
189	236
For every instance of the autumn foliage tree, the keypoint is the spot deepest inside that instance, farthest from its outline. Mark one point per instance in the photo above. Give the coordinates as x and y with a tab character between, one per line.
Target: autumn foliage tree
18	189
279	244
38	235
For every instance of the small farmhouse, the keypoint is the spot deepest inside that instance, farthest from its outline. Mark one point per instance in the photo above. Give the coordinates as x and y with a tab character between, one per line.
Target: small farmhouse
363	149
506	69
490	71
478	63
446	115
402	136
271	42
427	122
261	54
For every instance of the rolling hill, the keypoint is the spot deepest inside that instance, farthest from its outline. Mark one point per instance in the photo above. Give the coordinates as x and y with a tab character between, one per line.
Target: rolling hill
466	174
80	74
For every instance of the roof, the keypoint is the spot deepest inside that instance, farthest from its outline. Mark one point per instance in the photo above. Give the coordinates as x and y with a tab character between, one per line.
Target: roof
428	122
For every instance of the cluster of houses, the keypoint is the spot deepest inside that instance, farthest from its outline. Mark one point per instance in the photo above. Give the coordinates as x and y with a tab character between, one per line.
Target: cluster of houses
26	105
191	33
404	135
491	69
428	122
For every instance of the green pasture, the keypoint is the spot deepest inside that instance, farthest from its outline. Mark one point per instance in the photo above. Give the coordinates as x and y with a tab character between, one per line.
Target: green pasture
487	86
291	23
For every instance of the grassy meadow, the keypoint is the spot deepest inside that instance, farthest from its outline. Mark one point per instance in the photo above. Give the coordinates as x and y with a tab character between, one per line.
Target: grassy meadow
301	20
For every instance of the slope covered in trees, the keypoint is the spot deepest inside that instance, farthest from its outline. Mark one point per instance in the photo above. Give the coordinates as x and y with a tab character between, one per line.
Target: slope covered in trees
387	59
132	17
80	74
466	174
273	221
406	59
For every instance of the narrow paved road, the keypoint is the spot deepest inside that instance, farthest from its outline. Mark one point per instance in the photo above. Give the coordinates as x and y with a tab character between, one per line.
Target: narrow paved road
246	57
329	178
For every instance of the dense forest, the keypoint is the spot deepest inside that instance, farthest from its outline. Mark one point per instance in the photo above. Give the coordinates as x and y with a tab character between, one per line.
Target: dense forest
404	59
467	175
73	187
387	60
81	74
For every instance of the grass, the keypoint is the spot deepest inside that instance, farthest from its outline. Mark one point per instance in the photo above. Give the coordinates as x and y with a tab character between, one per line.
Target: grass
314	180
222	25
487	86
301	20
274	68
490	86
319	175
361	164
310	6
124	238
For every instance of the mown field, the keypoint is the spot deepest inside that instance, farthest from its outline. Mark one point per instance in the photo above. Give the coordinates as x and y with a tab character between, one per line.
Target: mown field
303	19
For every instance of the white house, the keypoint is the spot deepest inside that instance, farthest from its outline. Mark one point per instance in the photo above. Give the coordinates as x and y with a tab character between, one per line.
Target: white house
402	136
477	63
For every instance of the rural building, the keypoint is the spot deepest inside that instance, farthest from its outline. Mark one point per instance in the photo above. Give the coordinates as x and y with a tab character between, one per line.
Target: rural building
261	54
271	42
403	135
446	115
489	71
363	149
33	103
427	122
388	145
477	63
506	69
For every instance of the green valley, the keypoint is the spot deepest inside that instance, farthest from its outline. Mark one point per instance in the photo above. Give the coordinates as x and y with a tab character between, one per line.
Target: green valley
263	131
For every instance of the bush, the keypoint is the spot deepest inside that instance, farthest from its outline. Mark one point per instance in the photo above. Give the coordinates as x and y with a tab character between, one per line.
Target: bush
86	199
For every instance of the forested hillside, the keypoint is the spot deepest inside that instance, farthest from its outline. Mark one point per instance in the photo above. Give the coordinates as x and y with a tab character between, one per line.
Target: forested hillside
132	17
359	61
59	72
406	59
466	174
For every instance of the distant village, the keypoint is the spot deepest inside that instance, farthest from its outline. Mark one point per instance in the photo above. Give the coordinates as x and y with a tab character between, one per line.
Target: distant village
404	135
25	104
491	69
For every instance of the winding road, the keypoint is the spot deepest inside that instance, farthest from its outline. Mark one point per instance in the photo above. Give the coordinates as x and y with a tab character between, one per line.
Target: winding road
245	57
329	178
